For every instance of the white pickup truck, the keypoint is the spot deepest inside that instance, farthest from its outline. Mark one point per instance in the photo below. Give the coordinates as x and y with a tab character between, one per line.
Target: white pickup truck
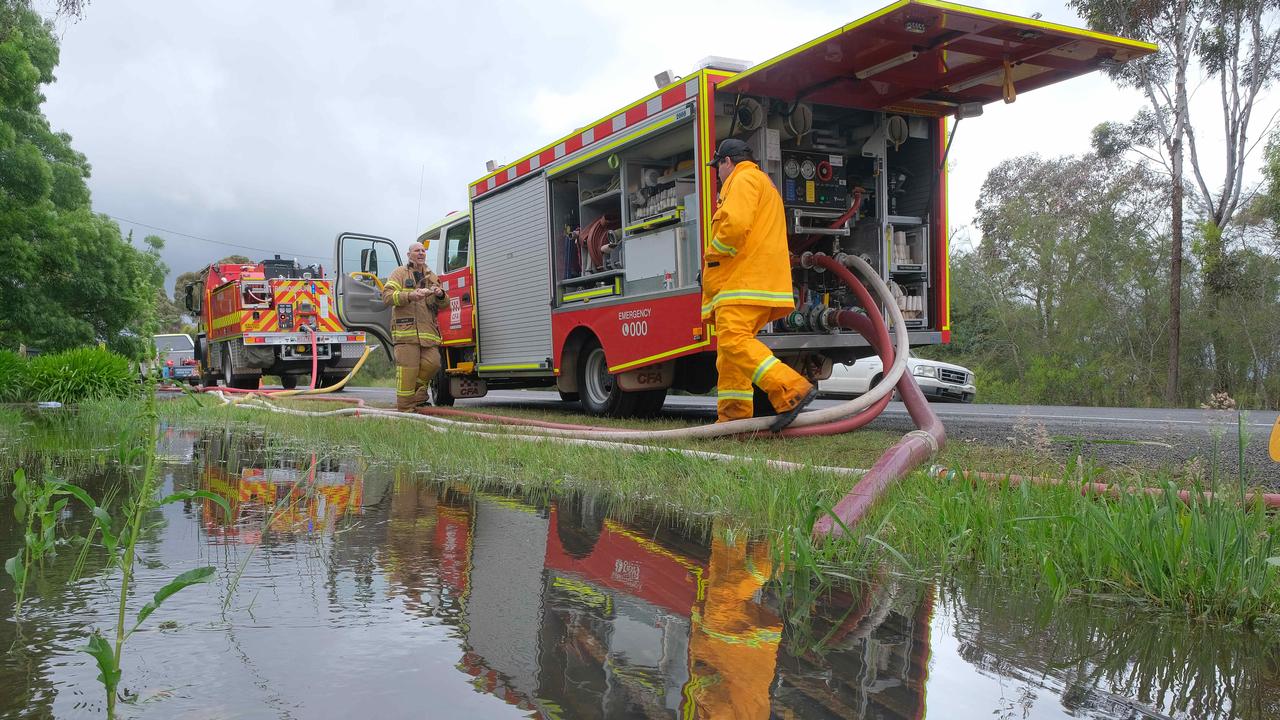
938	380
176	359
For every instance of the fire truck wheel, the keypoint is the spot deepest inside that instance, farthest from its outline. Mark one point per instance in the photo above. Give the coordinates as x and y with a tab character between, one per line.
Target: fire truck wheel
233	380
650	403
288	382
331	380
438	391
598	389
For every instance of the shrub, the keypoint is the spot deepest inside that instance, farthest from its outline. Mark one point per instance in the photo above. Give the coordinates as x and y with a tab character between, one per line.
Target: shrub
13	377
81	374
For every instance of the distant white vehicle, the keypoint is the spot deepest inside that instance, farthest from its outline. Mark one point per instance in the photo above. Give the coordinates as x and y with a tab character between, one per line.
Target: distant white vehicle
176	358
938	380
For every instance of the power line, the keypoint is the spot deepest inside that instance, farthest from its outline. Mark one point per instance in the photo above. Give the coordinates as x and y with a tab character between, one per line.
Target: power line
204	239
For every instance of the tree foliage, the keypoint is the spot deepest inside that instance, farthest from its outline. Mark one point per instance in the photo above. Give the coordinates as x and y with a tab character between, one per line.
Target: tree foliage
1235	46
70	278
1063	300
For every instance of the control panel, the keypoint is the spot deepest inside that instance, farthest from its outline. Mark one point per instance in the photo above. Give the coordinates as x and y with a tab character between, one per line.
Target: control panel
814	180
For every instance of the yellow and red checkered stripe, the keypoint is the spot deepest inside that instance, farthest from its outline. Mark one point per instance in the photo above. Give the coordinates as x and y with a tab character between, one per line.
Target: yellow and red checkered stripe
315	292
664	99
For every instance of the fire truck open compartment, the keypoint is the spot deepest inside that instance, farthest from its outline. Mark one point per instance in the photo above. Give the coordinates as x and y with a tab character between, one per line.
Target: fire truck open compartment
627	222
863	182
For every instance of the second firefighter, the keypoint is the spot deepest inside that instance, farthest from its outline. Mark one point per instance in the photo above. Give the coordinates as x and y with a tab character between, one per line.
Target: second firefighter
415	296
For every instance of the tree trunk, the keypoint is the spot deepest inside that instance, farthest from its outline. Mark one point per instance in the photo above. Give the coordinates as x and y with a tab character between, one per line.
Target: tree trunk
1219	286
1171	388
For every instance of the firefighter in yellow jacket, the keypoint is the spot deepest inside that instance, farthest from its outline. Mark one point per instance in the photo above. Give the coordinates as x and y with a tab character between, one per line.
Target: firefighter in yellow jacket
746	284
415	294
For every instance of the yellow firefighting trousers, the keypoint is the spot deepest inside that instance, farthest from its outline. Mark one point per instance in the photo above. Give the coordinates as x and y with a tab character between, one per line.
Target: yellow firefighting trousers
415	366
743	361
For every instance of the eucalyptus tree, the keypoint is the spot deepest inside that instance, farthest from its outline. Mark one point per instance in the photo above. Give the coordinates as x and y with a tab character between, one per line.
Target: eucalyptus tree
1234	43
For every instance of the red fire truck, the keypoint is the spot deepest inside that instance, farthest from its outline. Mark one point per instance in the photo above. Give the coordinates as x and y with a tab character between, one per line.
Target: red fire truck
258	319
578	265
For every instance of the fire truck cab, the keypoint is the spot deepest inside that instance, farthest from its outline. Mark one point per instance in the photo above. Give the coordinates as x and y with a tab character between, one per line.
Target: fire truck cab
583	266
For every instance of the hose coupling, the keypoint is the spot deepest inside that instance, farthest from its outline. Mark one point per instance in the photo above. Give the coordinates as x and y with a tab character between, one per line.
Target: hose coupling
822	318
806	259
929	440
796	320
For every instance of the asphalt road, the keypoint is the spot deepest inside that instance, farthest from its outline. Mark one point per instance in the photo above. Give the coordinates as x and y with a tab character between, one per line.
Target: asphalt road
1138	437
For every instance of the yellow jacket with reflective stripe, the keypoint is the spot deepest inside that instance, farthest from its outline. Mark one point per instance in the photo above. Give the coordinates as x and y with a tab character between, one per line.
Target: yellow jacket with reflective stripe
413	322
747	262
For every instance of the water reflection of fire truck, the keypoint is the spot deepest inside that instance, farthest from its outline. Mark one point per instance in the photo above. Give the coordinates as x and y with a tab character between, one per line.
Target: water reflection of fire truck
280	499
565	613
573	615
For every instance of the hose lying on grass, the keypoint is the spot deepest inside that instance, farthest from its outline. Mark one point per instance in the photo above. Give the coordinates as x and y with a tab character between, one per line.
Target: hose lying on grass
485	427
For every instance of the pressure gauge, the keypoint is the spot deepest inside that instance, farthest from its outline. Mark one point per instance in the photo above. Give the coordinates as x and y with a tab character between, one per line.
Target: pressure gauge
807	169
791	168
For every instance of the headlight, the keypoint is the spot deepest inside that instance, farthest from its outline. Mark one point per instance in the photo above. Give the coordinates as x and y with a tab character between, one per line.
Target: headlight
925	371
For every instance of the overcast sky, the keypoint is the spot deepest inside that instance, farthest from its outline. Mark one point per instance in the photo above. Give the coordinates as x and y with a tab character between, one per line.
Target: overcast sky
276	125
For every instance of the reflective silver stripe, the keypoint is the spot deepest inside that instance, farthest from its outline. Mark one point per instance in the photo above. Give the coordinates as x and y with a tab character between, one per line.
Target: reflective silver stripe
763	368
726	249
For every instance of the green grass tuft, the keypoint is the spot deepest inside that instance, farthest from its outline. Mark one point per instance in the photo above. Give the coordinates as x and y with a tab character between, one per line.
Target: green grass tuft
13	377
78	375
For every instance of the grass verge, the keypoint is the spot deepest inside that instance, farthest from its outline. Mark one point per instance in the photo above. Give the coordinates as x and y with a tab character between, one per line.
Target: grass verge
1213	559
1210	559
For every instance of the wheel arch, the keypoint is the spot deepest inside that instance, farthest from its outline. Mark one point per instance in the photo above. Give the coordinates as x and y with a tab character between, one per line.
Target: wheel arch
571	356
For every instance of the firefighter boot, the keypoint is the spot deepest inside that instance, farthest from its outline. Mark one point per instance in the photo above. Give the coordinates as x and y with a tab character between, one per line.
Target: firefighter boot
785	418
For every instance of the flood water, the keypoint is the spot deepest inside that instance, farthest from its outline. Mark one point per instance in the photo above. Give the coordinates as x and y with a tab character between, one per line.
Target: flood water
350	589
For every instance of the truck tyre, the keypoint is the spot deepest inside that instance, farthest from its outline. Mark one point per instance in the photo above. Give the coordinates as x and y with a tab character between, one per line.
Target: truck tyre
331	380
208	377
598	389
288	382
876	381
233	380
438	391
649	402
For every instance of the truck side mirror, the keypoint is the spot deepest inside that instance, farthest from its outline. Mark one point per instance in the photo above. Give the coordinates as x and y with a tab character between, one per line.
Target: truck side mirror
369	260
189	300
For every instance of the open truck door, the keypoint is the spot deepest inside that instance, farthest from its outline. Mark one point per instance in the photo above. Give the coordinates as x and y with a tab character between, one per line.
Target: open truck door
364	262
928	57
